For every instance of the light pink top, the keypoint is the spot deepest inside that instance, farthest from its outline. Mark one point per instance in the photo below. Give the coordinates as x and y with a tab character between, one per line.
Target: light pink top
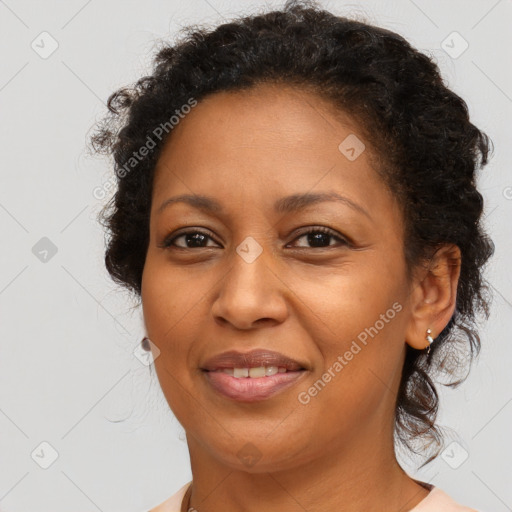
435	501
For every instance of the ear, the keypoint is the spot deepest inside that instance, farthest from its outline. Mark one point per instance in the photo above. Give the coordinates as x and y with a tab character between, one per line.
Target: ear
433	296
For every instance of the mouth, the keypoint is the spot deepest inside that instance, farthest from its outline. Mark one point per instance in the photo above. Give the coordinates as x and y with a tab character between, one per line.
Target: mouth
254	372
252	376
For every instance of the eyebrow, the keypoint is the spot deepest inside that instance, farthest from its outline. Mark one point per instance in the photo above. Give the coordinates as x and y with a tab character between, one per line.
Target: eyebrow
288	204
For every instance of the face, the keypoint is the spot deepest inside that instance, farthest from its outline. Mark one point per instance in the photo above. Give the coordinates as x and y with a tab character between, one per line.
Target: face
319	278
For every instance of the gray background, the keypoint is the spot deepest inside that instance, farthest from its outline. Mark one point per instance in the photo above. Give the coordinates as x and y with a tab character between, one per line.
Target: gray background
68	374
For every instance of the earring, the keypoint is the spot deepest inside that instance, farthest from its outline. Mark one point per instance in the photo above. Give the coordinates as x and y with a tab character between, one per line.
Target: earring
145	344
429	339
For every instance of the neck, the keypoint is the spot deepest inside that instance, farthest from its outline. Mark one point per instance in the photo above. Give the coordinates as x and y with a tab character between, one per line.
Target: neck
352	477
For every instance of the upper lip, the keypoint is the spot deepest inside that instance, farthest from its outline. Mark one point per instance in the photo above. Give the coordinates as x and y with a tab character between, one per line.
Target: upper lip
251	359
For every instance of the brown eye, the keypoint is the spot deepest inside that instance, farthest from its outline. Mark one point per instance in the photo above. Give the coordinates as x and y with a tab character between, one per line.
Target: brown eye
191	239
320	238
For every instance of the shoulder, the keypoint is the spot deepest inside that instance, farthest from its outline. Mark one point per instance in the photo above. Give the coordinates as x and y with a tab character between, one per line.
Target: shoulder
439	501
173	503
436	501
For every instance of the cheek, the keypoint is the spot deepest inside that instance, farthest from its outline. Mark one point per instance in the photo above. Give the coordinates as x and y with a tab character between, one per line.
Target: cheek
164	303
170	300
342	302
356	319
169	304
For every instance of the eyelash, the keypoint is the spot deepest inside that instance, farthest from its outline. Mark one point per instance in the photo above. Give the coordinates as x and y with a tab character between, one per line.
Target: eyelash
169	242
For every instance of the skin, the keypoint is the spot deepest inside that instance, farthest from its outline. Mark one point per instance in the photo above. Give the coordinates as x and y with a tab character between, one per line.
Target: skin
246	150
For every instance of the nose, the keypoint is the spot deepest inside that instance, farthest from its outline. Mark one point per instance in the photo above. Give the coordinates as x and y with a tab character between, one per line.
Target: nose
251	294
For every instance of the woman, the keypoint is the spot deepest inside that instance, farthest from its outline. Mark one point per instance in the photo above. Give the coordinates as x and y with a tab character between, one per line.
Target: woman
297	212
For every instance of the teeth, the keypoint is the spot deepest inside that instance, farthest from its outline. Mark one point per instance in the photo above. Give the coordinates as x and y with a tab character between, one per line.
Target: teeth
240	372
260	371
257	372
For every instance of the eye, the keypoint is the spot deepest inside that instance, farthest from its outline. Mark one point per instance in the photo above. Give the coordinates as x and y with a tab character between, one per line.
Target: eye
191	239
319	237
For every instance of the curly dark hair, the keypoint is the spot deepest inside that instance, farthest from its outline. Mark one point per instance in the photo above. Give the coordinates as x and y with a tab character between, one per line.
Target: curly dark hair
427	148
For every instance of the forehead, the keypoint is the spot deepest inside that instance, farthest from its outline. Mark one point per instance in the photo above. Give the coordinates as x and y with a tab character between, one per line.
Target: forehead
264	114
265	139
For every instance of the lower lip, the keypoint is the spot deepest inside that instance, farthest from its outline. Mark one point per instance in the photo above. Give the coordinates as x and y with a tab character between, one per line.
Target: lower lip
248	389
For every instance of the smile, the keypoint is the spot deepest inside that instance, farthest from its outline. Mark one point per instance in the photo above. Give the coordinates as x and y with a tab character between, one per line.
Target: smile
253	373
252	384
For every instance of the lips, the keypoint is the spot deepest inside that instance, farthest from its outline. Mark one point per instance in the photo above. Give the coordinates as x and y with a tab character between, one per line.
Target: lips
252	376
252	359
